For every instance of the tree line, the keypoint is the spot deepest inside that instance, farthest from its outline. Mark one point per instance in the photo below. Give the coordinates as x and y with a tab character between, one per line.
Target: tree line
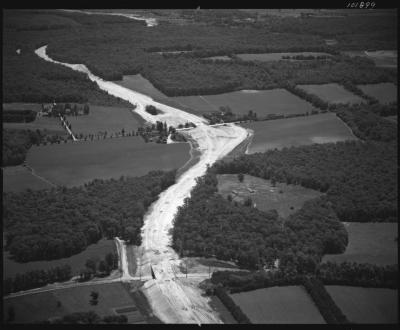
356	177
58	223
86	318
36	278
18	116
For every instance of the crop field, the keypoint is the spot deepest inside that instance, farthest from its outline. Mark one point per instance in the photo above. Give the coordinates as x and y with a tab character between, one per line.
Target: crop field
52	125
113	297
289	304
77	261
332	93
141	85
373	243
383	92
263	102
73	164
101	119
266	57
366	305
286	199
280	133
19	178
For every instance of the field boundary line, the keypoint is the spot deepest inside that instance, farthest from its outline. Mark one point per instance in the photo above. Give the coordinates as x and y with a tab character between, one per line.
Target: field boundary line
40	177
205	100
348	127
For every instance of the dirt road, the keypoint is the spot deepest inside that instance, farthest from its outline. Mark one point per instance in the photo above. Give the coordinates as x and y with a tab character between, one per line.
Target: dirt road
173	298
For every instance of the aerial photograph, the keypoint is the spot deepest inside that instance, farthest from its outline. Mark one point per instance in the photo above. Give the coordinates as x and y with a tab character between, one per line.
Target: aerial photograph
200	166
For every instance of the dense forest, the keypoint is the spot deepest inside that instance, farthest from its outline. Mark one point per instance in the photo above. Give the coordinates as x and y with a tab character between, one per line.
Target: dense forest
45	225
209	225
18	116
357	177
106	42
86	318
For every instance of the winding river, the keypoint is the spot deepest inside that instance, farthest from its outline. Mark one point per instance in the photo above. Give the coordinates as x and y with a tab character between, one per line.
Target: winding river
173	299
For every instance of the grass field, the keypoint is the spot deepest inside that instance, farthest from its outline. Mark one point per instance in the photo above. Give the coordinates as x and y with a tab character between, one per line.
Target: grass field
223	58
384	92
265	102
392	118
366	305
77	261
369	242
289	304
266	57
52	125
286	199
110	119
140	84
22	106
280	133
332	93
113	297
19	178
73	164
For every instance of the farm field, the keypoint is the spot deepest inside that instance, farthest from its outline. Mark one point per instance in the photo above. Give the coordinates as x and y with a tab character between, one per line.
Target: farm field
366	305
369	243
383	92
286	199
73	164
140	84
280	133
77	261
113	297
265	57
288	304
100	119
52	125
19	178
263	102
22	106
332	93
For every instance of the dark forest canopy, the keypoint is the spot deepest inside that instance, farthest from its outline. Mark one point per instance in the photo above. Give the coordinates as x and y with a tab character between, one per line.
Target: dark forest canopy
209	225
45	225
360	178
112	46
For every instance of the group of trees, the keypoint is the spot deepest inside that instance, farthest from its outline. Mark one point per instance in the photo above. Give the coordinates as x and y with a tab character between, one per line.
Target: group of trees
57	223
209	225
151	109
36	278
95	267
356	176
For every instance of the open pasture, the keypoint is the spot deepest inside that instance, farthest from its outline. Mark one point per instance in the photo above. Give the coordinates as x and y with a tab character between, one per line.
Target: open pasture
263	102
101	119
366	305
113	297
286	199
382	58
280	133
383	92
73	164
373	243
332	93
19	178
266	57
288	304
51	125
77	261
